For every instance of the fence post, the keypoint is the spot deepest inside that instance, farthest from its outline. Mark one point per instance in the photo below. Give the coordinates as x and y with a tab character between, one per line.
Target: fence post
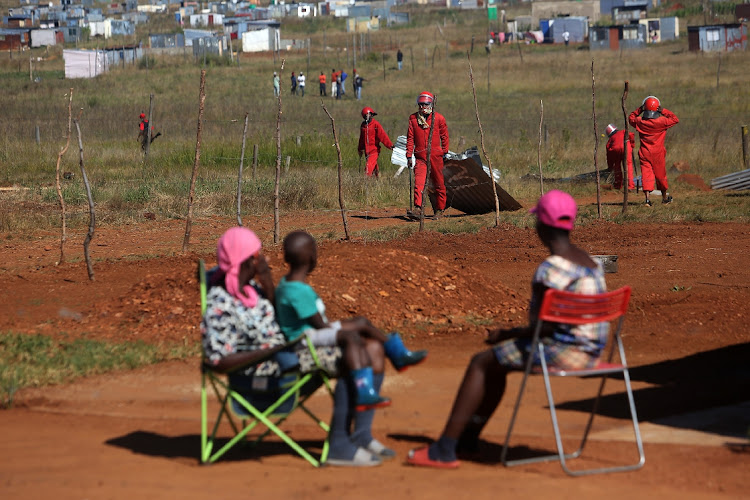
38	138
255	159
744	148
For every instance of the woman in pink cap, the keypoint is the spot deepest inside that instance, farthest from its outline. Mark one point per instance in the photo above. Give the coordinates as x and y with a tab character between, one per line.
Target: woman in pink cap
567	268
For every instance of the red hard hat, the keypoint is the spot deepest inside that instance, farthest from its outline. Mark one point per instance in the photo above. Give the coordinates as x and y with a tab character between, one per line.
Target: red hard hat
611	129
368	109
142	116
651	103
425	97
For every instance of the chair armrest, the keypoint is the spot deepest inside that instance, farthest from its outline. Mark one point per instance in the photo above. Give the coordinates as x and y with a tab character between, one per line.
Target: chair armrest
255	358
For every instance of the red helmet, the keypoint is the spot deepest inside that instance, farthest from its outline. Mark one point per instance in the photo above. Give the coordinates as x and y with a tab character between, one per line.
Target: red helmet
611	129
368	109
425	98
651	103
142	116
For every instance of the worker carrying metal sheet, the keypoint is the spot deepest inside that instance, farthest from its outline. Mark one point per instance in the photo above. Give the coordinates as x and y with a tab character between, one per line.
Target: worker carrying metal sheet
651	121
417	146
371	134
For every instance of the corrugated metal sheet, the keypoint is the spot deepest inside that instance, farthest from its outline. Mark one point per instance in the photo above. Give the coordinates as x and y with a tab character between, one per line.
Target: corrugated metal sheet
467	183
577	27
735	181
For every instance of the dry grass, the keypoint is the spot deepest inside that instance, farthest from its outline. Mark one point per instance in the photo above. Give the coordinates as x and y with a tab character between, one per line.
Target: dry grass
707	138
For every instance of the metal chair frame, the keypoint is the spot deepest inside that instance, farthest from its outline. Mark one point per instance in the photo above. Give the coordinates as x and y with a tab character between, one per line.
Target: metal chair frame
268	417
577	309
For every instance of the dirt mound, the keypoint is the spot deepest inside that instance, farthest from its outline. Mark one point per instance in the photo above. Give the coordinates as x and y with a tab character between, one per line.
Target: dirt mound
694	180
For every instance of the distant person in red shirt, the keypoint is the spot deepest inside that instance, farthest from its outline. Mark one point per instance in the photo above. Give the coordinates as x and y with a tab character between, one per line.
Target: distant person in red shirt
322	81
143	131
617	150
651	121
371	134
417	140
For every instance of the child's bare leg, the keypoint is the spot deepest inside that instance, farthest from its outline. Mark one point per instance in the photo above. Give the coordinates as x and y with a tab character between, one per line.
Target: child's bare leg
353	345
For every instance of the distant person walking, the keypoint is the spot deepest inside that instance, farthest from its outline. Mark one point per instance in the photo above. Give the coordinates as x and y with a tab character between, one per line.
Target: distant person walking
322	80
334	83
566	37
371	134
651	121
294	84
400	59
301	83
143	132
358	80
276	84
342	85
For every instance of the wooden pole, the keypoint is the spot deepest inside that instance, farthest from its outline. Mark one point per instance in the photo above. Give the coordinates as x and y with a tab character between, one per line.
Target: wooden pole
744	147
92	214
411	58
354	50
596	144
481	142
277	183
255	159
520	54
718	72
626	156
196	162
383	66
63	235
147	133
338	156
539	149
239	175
489	54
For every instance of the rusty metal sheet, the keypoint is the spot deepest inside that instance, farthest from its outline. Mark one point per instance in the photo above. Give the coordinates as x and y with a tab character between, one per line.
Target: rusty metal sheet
468	186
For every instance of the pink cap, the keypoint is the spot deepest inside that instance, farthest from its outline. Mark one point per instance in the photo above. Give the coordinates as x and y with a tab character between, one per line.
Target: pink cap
556	209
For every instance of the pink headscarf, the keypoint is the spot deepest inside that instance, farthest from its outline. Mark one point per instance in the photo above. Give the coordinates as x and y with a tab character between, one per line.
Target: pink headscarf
234	248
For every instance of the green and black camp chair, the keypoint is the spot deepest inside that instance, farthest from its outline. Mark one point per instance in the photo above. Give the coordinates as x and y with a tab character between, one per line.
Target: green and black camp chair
246	401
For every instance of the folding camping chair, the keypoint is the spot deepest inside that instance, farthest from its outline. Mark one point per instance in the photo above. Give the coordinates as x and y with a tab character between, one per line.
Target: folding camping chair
576	309
256	400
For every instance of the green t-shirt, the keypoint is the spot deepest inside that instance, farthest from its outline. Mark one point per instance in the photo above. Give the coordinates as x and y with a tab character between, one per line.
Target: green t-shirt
296	304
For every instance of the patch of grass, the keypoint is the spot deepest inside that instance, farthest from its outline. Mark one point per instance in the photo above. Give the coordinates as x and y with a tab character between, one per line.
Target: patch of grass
37	360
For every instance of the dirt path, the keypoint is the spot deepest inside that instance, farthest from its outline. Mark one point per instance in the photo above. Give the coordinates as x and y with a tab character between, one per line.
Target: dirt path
136	433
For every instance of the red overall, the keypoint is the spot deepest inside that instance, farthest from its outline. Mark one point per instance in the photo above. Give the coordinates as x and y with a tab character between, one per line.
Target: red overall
652	153
370	136
615	154
416	145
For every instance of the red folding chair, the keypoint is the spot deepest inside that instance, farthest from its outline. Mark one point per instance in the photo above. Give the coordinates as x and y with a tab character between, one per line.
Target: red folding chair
576	309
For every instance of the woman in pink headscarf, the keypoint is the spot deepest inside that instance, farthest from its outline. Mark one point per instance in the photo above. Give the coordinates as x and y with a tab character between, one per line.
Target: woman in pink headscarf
240	318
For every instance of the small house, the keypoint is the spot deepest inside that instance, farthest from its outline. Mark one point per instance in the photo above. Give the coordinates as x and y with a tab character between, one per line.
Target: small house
717	38
629	36
47	37
14	38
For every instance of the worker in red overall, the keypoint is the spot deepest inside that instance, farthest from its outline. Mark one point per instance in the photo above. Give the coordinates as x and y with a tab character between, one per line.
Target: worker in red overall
371	134
651	121
616	150
417	146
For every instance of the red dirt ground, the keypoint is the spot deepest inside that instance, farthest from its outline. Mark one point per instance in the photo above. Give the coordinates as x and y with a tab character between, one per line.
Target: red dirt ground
136	433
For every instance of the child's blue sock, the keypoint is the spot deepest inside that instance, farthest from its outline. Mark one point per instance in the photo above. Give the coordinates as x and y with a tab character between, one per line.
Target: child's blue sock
400	356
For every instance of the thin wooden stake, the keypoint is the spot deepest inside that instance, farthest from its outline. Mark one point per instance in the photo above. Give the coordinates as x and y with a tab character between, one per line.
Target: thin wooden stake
481	142
196	162
239	175
383	66
411	58
718	72
92	214
277	183
63	235
255	159
147	133
596	144
626	156
338	156
539	149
